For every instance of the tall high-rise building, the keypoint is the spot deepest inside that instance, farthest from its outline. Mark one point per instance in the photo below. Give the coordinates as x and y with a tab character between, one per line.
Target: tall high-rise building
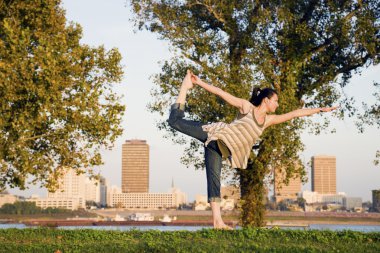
323	174
103	191
376	200
284	191
135	167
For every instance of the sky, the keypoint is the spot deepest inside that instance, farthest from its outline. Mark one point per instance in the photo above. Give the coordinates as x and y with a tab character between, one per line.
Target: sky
108	23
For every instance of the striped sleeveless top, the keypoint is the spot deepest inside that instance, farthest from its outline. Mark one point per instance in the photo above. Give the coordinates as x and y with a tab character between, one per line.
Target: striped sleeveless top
238	137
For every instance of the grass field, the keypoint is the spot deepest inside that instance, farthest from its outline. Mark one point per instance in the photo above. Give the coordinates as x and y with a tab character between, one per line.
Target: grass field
207	240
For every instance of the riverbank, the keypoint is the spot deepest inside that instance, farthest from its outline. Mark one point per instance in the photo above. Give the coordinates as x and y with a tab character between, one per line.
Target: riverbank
194	218
279	223
206	240
271	216
63	223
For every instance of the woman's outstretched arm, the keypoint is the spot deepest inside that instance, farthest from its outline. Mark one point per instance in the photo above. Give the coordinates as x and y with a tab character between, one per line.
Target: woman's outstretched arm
277	119
242	104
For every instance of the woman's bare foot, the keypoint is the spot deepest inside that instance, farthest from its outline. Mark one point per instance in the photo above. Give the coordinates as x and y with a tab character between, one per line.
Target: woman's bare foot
222	226
217	217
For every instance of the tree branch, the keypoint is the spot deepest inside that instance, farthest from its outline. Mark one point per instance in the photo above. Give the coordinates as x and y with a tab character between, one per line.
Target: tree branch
200	63
348	68
309	11
345	69
211	10
328	41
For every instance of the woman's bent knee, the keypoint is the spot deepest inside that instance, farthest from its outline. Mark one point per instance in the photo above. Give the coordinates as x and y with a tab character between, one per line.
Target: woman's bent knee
172	122
173	119
176	113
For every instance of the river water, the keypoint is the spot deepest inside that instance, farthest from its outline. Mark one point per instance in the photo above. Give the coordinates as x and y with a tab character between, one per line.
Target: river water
360	228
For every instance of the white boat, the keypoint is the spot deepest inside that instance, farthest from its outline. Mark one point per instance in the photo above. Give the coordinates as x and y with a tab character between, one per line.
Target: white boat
166	218
141	217
118	218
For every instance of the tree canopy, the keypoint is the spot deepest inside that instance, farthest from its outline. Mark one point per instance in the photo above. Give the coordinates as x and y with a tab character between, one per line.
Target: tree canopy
306	49
57	106
371	116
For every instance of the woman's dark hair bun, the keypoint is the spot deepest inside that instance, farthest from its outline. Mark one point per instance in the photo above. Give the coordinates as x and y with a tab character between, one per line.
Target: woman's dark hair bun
259	94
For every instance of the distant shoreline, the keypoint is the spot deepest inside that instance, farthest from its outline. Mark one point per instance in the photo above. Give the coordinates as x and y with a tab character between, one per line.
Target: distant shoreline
199	218
271	223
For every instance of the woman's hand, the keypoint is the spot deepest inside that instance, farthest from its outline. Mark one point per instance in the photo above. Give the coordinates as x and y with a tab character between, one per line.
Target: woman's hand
195	79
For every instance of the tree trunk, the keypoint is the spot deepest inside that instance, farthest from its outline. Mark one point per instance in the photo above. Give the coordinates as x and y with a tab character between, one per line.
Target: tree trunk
252	195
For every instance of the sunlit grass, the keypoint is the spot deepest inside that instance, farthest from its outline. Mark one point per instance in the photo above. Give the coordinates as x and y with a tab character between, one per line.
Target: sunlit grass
206	240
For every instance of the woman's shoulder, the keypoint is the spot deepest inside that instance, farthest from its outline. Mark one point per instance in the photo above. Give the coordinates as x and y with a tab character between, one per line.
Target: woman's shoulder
247	107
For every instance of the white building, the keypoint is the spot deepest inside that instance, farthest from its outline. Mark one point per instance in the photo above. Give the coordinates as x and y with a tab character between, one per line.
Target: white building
79	186
310	197
173	199
7	199
201	203
111	190
332	199
352	203
71	185
72	193
315	197
56	202
143	200
92	190
180	197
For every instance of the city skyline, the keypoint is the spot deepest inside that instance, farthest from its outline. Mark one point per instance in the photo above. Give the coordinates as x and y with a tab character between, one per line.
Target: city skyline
141	53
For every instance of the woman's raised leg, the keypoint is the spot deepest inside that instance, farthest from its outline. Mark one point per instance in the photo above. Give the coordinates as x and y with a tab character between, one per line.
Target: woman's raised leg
177	114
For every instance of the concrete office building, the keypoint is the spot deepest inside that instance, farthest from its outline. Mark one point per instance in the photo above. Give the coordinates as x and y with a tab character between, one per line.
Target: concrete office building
333	198
58	202
135	167
315	197
92	190
352	203
323	174
103	192
173	199
284	191
72	193
71	185
143	200
110	191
